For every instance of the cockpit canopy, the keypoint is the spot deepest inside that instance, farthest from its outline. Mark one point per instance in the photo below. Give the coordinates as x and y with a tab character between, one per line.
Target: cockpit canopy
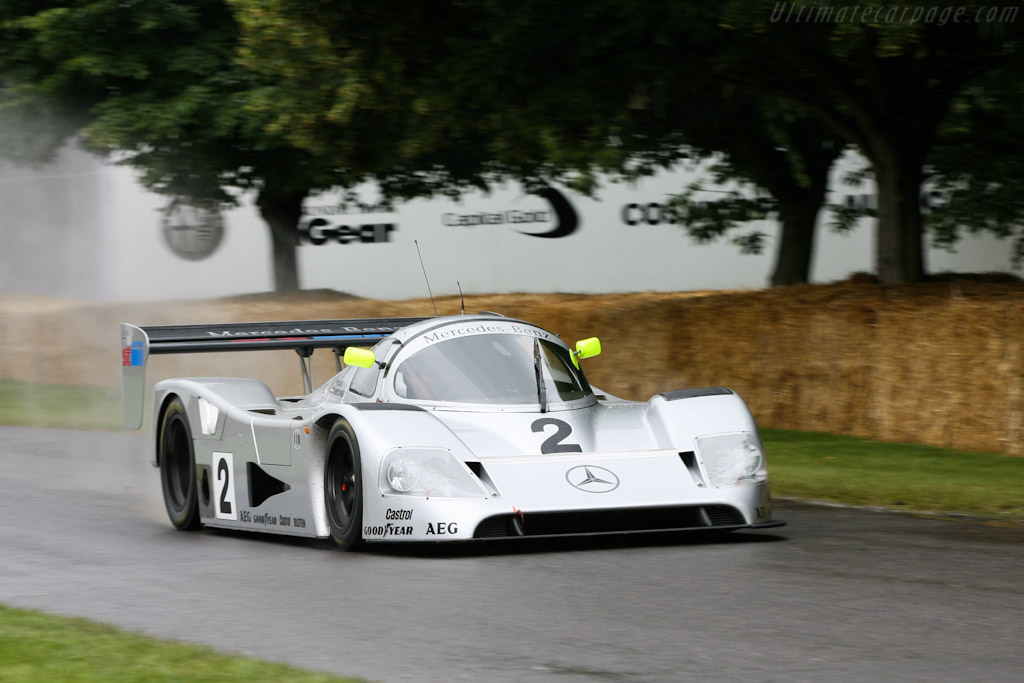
508	369
469	361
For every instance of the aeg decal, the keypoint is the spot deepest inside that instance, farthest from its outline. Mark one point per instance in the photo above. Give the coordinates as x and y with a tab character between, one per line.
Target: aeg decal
442	528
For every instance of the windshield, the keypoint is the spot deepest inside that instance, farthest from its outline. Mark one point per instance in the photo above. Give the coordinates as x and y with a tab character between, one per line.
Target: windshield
490	368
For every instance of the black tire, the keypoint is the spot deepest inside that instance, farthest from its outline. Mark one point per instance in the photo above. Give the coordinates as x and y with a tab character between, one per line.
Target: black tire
343	486
178	467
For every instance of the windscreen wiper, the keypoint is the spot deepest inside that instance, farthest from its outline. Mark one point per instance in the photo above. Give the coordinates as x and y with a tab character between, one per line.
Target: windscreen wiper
542	396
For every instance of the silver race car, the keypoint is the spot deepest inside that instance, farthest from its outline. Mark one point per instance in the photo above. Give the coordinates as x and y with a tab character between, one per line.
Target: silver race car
447	429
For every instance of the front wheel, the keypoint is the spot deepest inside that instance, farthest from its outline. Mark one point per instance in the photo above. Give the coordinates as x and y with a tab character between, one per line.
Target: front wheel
343	486
178	467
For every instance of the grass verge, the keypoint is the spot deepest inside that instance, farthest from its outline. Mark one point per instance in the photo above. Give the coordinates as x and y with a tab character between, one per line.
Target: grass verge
845	469
68	407
38	647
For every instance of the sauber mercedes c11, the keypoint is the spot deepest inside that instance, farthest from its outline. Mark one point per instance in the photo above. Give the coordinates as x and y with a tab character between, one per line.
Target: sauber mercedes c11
447	429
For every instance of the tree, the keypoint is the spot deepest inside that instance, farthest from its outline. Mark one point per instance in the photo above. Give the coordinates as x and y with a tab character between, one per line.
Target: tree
883	77
446	115
975	169
785	156
522	91
444	96
156	85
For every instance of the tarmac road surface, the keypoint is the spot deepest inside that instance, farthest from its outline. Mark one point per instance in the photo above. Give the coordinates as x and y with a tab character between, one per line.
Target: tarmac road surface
838	595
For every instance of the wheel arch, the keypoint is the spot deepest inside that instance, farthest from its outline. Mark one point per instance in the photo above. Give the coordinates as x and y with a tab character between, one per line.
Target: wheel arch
327	420
678	418
158	417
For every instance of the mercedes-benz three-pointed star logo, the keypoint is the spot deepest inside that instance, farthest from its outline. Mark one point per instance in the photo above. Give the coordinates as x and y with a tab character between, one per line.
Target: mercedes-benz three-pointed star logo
592	479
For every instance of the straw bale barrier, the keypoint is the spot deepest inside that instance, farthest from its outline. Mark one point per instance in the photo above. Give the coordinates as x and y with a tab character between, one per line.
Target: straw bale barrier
938	363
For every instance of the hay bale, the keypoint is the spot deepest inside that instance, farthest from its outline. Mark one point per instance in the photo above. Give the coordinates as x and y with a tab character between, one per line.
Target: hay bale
940	363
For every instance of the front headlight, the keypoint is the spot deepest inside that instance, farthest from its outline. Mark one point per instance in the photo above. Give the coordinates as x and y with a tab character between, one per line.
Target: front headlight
427	473
732	459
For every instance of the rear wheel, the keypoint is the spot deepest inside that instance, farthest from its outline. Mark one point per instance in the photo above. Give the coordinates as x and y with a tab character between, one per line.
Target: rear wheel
343	486
178	467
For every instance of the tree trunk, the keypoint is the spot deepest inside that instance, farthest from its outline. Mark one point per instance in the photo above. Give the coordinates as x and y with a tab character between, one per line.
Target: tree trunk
899	248
282	211
796	245
796	176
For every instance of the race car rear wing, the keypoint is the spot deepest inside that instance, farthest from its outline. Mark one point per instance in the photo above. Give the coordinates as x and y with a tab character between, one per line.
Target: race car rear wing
303	336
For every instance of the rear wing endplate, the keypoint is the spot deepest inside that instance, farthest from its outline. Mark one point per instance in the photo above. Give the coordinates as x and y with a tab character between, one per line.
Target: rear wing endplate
137	343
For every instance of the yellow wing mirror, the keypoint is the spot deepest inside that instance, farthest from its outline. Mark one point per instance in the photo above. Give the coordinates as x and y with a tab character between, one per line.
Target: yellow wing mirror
361	358
586	348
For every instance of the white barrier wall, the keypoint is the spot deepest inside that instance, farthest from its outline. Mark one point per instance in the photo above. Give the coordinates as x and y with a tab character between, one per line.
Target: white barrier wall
86	230
55	229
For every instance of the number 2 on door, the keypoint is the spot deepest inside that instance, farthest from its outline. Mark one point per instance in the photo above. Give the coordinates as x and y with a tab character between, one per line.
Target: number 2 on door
224	486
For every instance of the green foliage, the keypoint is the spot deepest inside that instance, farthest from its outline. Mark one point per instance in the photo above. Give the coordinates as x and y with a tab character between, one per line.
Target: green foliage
884	77
446	109
157	85
845	218
107	61
211	98
528	91
977	167
707	219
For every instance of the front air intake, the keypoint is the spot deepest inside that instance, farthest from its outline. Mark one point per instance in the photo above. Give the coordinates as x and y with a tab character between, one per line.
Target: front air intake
501	526
723	515
610	521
